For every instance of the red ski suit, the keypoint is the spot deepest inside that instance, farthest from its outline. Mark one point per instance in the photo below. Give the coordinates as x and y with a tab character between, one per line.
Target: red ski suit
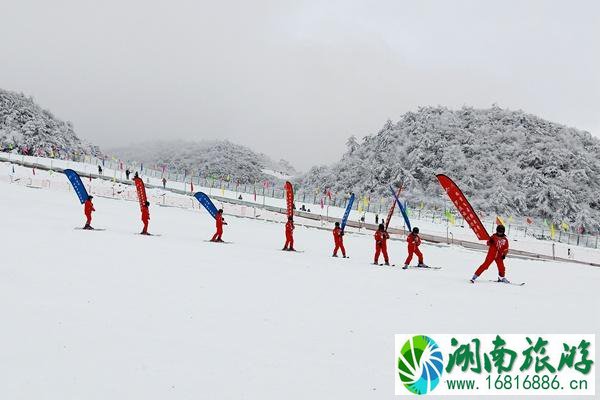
381	238
414	241
219	223
88	207
145	218
338	238
498	249
289	235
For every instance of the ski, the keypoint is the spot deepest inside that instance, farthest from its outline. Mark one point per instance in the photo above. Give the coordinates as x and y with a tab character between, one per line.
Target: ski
507	283
92	229
422	267
383	265
148	234
219	242
292	251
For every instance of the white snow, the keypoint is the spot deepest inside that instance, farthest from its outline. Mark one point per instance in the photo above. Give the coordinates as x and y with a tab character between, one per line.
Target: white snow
115	315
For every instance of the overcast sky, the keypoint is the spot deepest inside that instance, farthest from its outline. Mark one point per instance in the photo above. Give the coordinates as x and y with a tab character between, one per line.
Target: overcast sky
294	79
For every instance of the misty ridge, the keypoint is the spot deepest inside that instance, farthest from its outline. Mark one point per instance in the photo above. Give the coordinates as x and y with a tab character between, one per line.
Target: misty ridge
508	163
219	159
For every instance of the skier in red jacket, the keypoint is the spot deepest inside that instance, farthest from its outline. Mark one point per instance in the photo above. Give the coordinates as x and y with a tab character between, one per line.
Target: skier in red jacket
219	222
381	237
414	241
145	217
498	249
88	207
289	235
338	238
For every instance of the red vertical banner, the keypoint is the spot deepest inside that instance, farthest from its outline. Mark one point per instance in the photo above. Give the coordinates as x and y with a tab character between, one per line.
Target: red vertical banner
141	191
463	206
289	196
391	212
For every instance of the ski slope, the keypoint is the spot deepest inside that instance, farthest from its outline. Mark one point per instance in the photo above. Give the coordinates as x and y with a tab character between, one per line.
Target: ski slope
116	315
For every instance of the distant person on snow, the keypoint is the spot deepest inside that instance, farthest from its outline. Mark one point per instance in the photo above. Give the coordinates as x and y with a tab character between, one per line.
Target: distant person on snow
99	170
414	241
219	223
376	218
381	237
88	208
136	175
338	238
164	181
127	173
498	249
289	235
145	217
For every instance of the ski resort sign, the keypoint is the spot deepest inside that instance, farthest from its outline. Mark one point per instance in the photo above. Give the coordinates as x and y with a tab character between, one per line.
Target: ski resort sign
495	364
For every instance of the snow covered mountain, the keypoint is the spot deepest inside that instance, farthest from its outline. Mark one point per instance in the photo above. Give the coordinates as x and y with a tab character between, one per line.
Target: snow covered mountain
216	158
507	162
30	129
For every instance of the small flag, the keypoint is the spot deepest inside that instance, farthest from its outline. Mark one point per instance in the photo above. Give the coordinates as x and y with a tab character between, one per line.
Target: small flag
552	231
499	220
529	221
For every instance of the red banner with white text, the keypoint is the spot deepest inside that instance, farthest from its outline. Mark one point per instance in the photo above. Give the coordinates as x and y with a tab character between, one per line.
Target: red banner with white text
463	206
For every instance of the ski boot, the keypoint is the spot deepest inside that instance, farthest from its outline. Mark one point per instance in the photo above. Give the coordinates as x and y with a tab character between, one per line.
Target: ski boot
503	279
405	266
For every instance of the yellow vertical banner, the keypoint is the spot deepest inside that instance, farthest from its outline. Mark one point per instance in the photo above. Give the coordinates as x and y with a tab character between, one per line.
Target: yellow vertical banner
552	231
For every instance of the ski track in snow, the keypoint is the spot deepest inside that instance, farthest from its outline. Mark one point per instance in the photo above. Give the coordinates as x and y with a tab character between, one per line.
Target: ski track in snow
113	315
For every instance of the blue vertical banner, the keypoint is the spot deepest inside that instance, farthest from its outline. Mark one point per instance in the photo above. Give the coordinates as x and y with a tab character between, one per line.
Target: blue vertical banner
77	185
402	209
207	203
347	212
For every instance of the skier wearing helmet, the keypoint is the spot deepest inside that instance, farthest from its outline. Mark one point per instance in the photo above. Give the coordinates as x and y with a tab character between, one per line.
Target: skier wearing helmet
289	235
381	237
414	241
498	249
338	239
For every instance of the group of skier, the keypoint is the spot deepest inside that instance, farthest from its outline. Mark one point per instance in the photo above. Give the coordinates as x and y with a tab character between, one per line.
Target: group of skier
88	208
497	244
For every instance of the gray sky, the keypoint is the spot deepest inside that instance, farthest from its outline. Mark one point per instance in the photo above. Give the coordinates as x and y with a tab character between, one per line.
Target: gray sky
294	79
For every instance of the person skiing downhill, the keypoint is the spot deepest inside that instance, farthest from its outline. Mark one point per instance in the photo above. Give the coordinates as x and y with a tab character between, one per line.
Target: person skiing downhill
338	238
219	223
88	208
414	241
498	249
289	235
381	237
145	217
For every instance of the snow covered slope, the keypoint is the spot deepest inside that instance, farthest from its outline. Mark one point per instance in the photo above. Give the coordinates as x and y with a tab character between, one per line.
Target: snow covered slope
26	126
508	163
115	315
